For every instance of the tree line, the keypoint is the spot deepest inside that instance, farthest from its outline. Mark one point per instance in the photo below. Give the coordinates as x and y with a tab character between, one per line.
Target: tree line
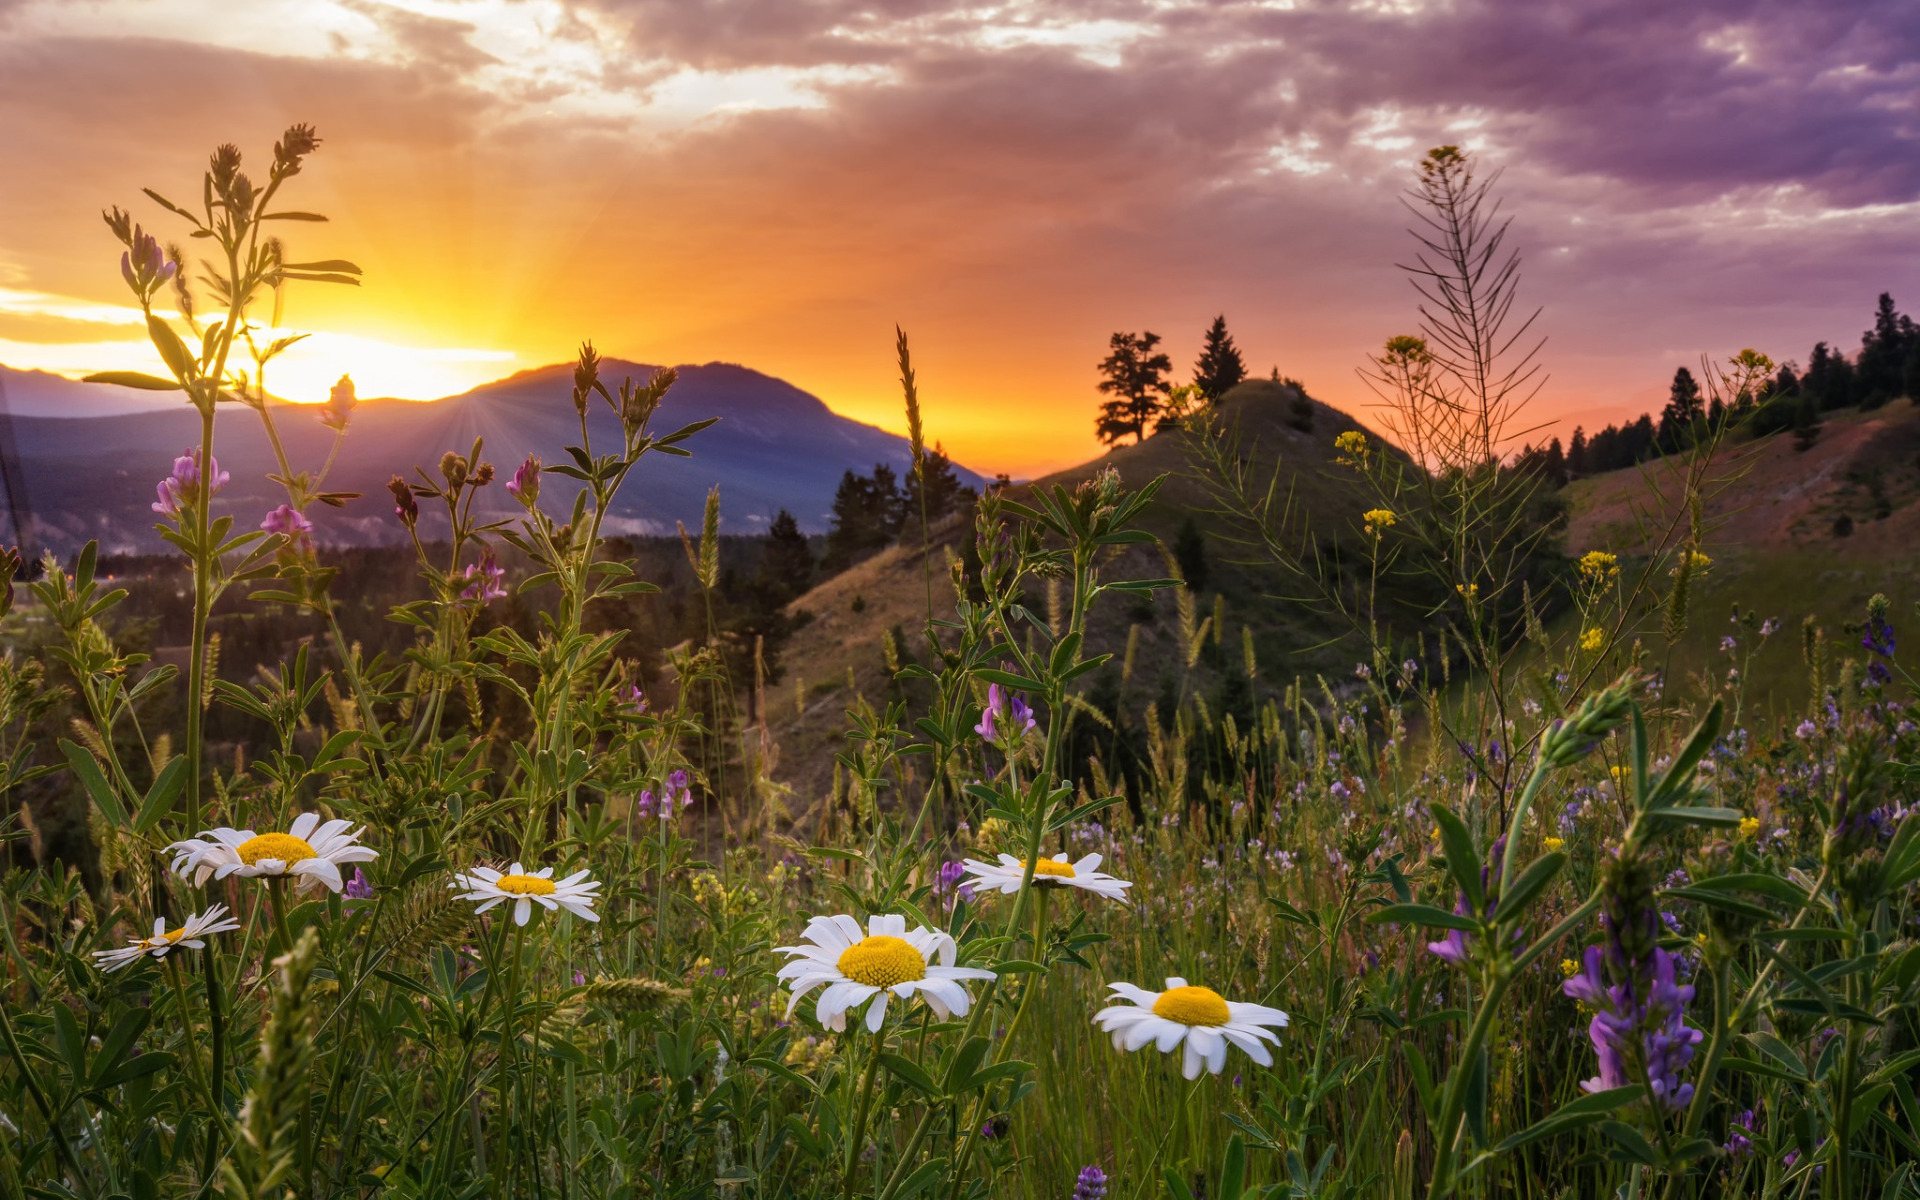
1777	400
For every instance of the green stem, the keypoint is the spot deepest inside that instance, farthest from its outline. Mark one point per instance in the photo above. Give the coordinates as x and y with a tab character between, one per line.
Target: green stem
40	1102
864	1111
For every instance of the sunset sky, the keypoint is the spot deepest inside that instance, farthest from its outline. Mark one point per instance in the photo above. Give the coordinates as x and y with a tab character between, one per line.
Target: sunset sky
777	182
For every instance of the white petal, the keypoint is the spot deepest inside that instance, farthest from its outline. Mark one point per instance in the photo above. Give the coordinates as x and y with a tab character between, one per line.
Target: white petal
876	1012
1193	1061
522	910
303	825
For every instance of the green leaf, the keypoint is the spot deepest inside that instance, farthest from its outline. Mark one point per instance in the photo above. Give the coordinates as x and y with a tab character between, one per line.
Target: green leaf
1009	679
1628	1145
1177	1188
178	358
1463	861
1423	914
929	1173
1233	1172
910	1073
1725	903
133	379
87	768
1531	883
1725	818
1575	1114
160	797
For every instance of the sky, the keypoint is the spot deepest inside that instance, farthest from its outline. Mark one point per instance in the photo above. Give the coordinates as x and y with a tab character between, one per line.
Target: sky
779	182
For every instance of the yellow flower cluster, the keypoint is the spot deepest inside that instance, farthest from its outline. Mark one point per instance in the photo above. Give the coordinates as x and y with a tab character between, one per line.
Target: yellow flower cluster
1553	843
1593	640
1598	566
1351	448
1749	827
1470	591
1378	520
1695	562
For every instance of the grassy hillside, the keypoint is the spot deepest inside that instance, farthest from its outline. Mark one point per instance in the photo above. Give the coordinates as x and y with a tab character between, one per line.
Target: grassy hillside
841	653
1793	533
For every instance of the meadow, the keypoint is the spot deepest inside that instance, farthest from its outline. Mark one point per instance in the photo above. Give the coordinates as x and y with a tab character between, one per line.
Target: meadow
1510	905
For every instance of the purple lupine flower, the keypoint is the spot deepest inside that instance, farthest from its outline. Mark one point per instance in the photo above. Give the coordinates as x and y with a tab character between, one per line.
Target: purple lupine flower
1339	790
579	979
183	490
1739	1139
525	484
358	887
1092	1184
287	521
643	807
947	881
486	579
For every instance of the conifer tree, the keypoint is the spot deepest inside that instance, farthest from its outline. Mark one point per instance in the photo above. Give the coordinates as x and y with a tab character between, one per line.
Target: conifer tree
1219	366
1136	378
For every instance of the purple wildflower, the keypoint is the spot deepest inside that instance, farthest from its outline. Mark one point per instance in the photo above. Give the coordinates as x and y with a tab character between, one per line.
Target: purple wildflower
1092	1184
636	699
338	409
525	484
143	265
1008	706
287	521
947	881
1739	1141
182	489
404	505
358	887
486	579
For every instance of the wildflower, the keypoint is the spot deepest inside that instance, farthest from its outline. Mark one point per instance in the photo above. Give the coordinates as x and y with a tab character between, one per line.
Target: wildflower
525	889
994	1128
950	879
1055	872
404	505
1553	843
1739	1143
1091	1185
1727	644
1769	627
1469	591
358	888
525	484
1409	667
1008	706
1198	1016
636	700
1379	520
1638	1029
888	961
309	850
338	409
1593	640
1598	566
1694	563
287	521
189	936
1339	790
1749	827
1805	730
1569	968
144	266
183	489
1362	671
1351	448
485	579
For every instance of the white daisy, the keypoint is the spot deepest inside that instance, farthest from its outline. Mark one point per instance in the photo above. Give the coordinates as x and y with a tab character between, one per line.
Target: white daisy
308	849
189	935
1196	1015
1004	877
887	961
527	888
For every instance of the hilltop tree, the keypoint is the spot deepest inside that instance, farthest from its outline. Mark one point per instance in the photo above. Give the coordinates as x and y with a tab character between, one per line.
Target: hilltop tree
1684	408
867	514
945	493
1219	366
1136	378
1883	354
786	561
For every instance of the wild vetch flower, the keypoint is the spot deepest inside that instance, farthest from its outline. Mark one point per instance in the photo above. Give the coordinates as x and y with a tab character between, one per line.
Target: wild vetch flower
144	266
485	579
1739	1143
404	505
949	880
183	490
1878	639
1010	707
1092	1184
525	484
636	699
1805	730
287	521
1638	1029
338	409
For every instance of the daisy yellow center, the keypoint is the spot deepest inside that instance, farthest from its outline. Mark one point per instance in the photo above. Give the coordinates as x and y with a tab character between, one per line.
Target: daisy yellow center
881	962
525	885
172	935
281	847
1191	1006
1047	866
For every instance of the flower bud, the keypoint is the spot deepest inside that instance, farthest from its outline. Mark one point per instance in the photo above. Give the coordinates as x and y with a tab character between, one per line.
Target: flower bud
525	484
404	505
453	468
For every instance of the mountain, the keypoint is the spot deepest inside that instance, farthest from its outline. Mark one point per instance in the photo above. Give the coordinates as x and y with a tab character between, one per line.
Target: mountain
774	447
44	394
